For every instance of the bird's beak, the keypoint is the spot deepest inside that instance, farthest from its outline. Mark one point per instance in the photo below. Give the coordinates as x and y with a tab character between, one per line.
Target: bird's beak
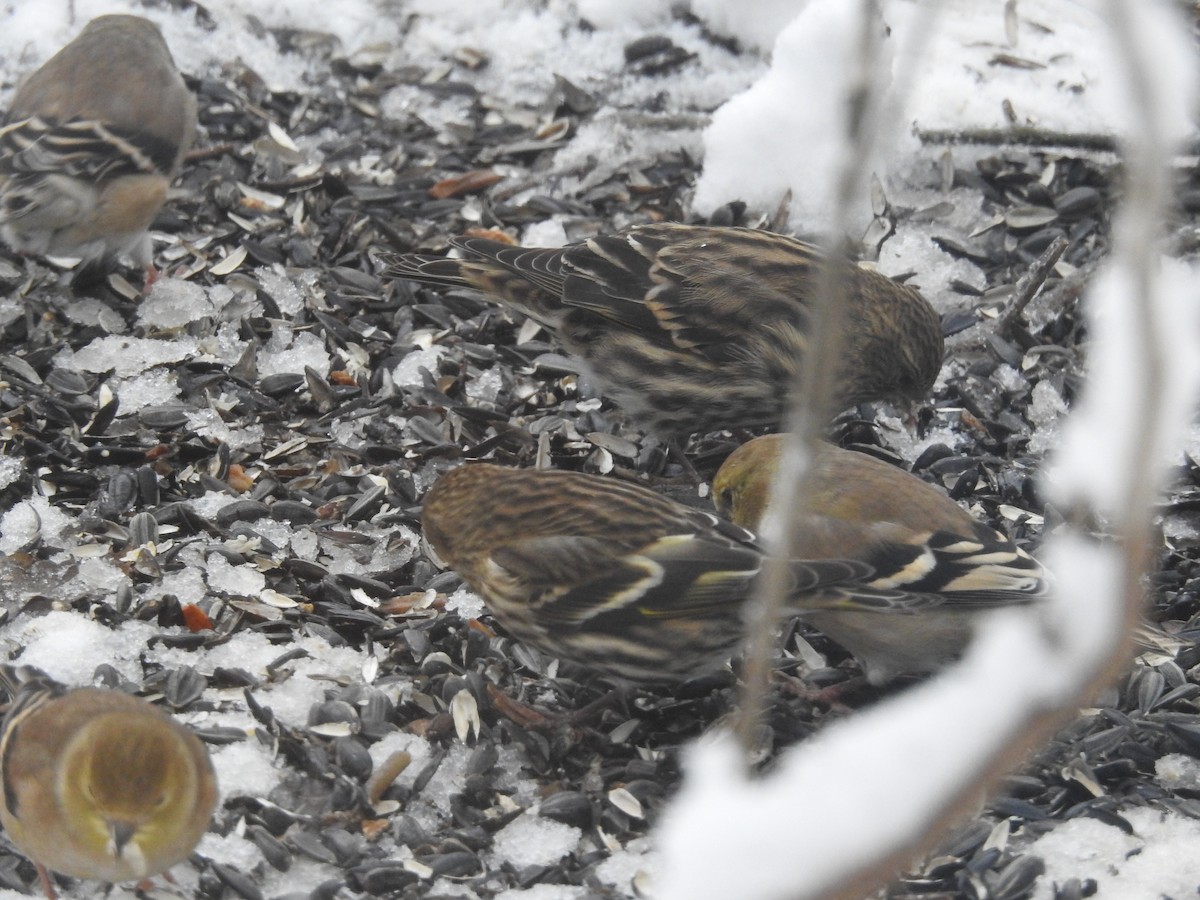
121	846
906	410
122	834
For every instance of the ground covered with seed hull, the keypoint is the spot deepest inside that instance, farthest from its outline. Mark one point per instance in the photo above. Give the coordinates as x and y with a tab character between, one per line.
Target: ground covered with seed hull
212	495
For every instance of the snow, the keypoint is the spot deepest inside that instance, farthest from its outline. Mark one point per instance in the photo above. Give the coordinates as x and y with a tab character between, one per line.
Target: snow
1157	860
187	586
293	351
27	519
283	290
232	850
624	868
408	371
245	768
543	892
289	698
154	387
400	742
618	13
1175	771
756	23
775	129
794	119
173	303
876	781
446	781
70	648
125	356
208	423
1115	391
466	603
873	780
549	233
1063	43
963	77
486	386
530	840
910	446
98	575
1046	409
211	502
243	580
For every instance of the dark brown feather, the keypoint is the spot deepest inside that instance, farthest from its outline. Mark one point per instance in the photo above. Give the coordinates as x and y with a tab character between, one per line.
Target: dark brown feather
693	328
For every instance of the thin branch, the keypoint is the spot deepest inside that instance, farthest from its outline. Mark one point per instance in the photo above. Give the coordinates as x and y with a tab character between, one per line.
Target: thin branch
812	396
1136	242
1068	664
1029	284
1137	234
814	391
1020	136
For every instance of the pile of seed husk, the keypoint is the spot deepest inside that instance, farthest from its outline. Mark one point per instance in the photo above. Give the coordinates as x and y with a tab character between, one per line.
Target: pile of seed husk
340	460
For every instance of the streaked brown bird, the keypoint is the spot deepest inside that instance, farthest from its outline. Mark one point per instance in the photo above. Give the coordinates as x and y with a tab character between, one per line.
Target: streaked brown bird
91	143
852	498
641	588
97	783
697	328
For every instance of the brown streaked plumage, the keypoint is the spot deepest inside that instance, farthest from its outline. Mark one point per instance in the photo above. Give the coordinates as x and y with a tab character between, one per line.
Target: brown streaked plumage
697	328
91	143
98	784
857	489
610	575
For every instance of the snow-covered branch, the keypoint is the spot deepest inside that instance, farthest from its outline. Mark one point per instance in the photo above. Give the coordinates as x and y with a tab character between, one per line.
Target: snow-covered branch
839	815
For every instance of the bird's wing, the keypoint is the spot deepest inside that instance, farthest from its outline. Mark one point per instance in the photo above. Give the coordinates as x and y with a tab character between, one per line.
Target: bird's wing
82	148
541	267
696	288
943	570
579	580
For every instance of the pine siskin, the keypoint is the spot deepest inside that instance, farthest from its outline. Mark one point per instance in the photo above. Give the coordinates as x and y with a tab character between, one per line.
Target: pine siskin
97	783
695	329
615	577
856	497
91	144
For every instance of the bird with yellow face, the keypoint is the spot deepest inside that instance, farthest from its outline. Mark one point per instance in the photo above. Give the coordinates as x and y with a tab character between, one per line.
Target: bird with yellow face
97	783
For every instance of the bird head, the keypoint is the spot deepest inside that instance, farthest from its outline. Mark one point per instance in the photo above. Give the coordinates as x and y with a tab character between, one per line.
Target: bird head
131	785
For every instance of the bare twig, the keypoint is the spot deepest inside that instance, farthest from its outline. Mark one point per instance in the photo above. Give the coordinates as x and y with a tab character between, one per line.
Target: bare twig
1138	236
1029	284
1021	136
1149	155
813	393
867	119
818	799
